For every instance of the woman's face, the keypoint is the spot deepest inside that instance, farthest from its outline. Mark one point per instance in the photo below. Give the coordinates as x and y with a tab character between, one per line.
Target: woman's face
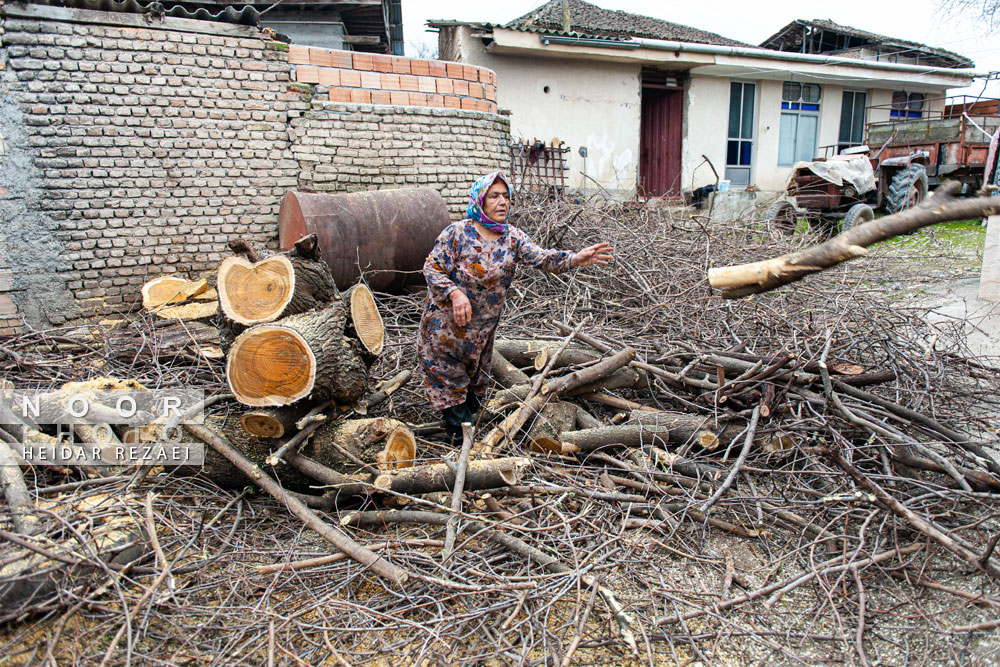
496	203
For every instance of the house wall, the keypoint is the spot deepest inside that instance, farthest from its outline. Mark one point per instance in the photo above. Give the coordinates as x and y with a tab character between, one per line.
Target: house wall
706	125
550	97
131	151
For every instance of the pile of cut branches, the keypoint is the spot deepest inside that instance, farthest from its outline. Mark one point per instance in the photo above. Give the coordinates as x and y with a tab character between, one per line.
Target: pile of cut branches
805	475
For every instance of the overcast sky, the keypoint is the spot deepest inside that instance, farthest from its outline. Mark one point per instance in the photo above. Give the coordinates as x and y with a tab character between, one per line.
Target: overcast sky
751	22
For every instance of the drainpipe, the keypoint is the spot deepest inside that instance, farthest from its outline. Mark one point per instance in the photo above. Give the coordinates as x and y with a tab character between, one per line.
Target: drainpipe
754	52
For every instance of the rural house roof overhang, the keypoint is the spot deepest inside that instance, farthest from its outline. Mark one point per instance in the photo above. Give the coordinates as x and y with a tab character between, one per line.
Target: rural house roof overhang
621	37
814	36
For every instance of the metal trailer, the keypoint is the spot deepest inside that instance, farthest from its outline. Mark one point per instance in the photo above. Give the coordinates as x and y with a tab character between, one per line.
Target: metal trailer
956	138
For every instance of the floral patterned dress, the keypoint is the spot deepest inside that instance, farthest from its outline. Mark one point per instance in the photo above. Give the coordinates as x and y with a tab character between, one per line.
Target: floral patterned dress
455	359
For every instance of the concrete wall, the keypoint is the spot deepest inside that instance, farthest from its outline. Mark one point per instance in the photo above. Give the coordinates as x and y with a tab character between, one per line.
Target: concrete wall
131	151
706	125
588	104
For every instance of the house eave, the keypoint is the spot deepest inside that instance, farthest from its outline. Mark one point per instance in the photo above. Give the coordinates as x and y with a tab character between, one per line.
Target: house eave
712	60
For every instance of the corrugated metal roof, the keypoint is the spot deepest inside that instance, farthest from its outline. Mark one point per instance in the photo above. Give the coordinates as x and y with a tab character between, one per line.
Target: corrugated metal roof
245	15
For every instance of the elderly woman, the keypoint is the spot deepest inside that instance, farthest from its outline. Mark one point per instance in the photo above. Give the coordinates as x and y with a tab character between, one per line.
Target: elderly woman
468	273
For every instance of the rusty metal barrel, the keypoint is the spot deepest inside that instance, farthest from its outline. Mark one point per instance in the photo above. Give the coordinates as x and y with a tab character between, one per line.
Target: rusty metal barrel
385	234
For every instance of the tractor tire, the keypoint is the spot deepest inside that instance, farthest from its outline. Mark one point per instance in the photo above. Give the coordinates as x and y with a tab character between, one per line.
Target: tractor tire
907	189
856	215
781	215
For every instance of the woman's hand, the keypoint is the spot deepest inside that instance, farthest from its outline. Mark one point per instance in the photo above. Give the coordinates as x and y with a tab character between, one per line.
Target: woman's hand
595	254
461	307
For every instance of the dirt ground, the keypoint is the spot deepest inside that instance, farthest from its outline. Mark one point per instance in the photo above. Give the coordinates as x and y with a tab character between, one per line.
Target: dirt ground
939	270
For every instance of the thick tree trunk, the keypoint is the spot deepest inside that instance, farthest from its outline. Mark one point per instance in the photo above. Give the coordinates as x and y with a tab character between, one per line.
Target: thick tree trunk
276	287
302	355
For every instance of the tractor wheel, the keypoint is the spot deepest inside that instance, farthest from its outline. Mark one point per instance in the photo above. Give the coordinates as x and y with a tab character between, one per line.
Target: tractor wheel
856	215
907	189
781	214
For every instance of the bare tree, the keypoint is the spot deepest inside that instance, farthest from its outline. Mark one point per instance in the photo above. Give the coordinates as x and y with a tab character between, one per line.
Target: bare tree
985	12
427	49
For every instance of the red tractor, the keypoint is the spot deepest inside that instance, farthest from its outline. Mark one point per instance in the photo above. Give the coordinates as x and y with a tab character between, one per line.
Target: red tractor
844	190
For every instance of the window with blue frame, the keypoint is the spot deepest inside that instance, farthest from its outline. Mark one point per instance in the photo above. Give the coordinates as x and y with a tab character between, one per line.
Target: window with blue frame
907	105
739	144
799	126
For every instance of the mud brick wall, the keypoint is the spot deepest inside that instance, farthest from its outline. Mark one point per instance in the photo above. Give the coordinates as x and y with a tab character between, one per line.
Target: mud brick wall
131	150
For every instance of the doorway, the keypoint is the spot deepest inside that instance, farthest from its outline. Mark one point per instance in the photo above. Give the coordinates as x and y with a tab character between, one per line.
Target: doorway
661	131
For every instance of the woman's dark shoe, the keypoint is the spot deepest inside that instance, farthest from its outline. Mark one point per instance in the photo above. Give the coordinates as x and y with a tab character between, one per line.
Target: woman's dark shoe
472	403
454	417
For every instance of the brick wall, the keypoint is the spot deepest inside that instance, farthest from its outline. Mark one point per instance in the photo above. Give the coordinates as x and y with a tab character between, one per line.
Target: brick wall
367	78
134	151
344	147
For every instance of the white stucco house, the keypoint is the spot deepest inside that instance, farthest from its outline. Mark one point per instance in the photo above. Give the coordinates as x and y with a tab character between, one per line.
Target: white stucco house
642	102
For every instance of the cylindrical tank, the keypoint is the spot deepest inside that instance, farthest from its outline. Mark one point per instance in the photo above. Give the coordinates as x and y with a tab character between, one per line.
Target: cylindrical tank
385	234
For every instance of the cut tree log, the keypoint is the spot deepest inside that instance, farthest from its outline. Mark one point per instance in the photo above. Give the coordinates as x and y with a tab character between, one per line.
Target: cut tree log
757	277
275	287
524	352
170	289
623	378
654	428
506	373
364	321
302	355
556	418
278	422
351	447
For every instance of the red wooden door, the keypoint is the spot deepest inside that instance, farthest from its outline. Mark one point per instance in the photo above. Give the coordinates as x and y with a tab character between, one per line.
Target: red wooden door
660	136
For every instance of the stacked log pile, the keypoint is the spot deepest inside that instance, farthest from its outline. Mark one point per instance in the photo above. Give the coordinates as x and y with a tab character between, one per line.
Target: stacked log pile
658	472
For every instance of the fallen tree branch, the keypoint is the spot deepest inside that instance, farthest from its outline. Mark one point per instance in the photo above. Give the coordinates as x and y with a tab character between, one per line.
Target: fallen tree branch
517	545
335	537
920	523
758	277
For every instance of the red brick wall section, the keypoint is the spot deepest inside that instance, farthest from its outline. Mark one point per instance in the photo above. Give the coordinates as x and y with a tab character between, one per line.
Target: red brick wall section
367	78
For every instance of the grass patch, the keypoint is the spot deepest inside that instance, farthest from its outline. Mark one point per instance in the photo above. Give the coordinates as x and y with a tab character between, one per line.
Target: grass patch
963	234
